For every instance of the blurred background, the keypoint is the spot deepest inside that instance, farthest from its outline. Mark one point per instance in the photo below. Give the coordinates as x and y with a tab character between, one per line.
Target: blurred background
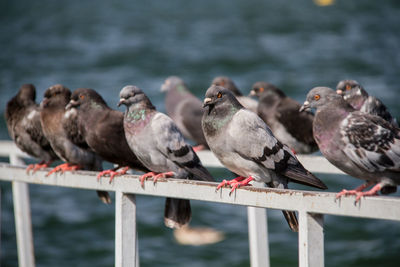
106	45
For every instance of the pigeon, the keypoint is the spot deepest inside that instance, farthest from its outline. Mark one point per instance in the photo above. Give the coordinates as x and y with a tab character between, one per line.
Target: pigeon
23	123
228	83
246	146
60	128
281	114
160	146
359	99
362	145
185	109
102	130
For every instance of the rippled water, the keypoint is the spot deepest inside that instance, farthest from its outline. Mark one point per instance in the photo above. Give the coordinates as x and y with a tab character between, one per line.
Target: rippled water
108	44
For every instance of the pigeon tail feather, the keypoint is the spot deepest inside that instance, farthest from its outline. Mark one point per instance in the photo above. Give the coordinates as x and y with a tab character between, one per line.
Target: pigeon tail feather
177	212
291	219
297	173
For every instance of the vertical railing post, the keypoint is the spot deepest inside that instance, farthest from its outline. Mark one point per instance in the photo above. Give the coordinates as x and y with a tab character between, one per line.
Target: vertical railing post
311	239
23	222
258	234
126	253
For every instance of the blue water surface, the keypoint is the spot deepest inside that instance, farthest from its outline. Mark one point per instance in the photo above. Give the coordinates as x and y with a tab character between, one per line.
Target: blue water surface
106	45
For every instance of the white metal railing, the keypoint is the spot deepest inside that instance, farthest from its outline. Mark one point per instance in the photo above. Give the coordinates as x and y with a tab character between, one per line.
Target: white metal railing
310	206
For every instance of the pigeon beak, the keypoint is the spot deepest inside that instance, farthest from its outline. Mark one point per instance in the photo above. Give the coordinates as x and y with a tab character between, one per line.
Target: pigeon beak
207	101
71	104
164	87
339	92
305	106
121	101
252	93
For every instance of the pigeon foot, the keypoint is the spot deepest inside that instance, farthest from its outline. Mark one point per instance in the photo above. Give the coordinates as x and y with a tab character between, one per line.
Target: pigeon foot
38	166
199	148
63	168
359	191
146	176
163	175
112	173
235	183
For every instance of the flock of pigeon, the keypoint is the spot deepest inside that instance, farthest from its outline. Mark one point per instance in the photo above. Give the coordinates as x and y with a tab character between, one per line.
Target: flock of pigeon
255	139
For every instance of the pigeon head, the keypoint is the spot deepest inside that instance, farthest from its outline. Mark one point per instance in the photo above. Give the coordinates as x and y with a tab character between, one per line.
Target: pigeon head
56	95
263	88
173	82
133	95
319	97
82	97
352	91
219	96
26	95
227	83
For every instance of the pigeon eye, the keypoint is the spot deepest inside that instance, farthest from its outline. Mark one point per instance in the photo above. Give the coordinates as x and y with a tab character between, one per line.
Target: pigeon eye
262	89
348	87
317	97
82	97
219	95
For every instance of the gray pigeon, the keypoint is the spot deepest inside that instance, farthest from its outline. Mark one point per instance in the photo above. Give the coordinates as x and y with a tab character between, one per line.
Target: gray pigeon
23	122
185	109
362	145
60	128
281	114
246	146
228	83
359	99
160	146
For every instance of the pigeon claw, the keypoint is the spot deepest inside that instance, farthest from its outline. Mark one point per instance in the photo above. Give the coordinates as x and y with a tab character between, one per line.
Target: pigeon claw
112	173
162	175
146	176
63	168
38	166
373	192
358	192
235	183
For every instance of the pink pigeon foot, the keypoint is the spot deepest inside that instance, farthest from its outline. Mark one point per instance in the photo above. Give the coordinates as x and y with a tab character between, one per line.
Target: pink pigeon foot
112	173
63	168
235	183
355	191
146	176
372	192
198	148
38	166
163	175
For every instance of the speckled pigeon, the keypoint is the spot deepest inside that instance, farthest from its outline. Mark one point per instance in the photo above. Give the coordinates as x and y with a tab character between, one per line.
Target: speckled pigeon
246	146
363	145
103	130
60	128
359	99
23	122
281	114
160	146
185	109
228	83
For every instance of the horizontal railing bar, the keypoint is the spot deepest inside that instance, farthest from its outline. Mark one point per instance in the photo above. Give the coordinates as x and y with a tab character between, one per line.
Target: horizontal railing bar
303	201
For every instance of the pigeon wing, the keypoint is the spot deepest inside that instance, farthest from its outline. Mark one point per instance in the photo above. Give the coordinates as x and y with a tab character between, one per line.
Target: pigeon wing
171	144
371	142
